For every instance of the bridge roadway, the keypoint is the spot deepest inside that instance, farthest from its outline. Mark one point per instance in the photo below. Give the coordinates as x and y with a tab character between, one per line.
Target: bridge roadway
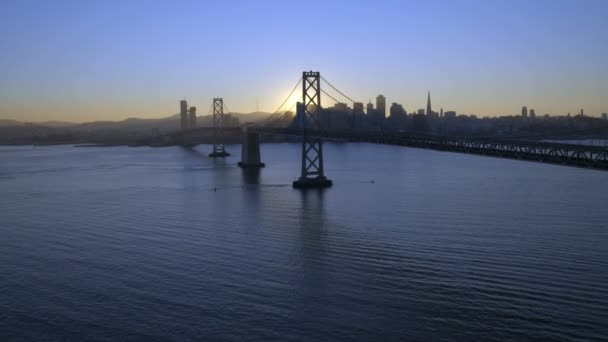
594	157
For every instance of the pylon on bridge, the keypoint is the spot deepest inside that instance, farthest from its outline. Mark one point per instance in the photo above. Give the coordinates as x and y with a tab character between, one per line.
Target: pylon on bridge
219	148
312	146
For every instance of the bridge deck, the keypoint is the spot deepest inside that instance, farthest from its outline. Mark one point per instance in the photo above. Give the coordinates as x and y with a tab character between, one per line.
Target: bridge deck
556	153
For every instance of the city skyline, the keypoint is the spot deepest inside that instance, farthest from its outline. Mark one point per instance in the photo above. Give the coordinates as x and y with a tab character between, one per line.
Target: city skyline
336	170
109	61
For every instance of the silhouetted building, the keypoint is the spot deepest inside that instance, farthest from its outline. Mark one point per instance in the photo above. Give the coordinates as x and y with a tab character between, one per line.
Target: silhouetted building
419	122
299	120
358	108
340	107
532	114
192	113
183	114
337	116
381	106
397	112
231	121
441	112
429	110
449	114
605	116
358	119
582	112
524	112
370	108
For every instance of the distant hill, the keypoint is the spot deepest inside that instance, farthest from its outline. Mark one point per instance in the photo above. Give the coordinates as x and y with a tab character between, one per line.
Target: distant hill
251	117
12	131
8	122
56	123
166	123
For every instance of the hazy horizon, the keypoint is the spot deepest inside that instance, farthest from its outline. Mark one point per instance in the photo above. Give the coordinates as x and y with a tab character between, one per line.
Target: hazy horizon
79	62
118	119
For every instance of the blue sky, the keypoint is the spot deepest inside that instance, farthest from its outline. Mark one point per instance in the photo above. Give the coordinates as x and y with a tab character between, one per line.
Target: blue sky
89	60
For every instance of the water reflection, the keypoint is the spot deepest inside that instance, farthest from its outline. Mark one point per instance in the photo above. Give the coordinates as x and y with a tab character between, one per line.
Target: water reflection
191	151
251	194
312	230
251	176
313	259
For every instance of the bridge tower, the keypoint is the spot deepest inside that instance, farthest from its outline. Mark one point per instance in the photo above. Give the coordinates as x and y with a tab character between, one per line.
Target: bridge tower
312	175
219	148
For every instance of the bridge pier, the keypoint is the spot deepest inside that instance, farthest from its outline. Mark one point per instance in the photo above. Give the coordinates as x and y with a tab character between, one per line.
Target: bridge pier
250	150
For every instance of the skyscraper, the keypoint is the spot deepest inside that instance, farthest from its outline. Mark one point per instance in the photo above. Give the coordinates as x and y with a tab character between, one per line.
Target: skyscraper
441	112
192	113
358	108
370	108
183	113
340	107
397	112
381	106
524	112
429	110
532	114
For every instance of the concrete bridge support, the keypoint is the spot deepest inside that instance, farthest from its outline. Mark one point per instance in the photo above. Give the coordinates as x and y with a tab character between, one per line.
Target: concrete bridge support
250	150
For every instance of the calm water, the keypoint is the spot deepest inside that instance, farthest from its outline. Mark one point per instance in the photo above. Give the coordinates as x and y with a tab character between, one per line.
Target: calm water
167	244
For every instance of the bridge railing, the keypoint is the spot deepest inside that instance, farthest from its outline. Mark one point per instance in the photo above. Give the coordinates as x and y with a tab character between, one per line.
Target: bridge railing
556	153
550	152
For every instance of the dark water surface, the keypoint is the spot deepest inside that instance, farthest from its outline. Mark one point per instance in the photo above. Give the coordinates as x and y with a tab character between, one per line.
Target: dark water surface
167	244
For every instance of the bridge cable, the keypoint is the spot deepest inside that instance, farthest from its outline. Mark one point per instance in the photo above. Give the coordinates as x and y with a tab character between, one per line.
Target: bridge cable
338	90
353	116
330	96
288	96
226	111
274	117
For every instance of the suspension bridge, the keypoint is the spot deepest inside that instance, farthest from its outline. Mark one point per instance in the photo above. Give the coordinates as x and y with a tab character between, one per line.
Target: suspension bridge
307	125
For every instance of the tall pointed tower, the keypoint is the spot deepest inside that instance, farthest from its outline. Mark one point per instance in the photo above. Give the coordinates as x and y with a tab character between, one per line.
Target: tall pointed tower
428	105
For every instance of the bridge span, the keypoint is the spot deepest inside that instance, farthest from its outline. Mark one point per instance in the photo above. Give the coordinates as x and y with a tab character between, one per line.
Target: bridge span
307	126
593	157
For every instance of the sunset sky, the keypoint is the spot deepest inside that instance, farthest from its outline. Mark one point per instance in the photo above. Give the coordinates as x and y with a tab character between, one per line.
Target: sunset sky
109	60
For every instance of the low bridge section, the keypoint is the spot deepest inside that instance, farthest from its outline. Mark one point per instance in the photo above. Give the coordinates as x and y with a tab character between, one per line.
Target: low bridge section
554	153
594	157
